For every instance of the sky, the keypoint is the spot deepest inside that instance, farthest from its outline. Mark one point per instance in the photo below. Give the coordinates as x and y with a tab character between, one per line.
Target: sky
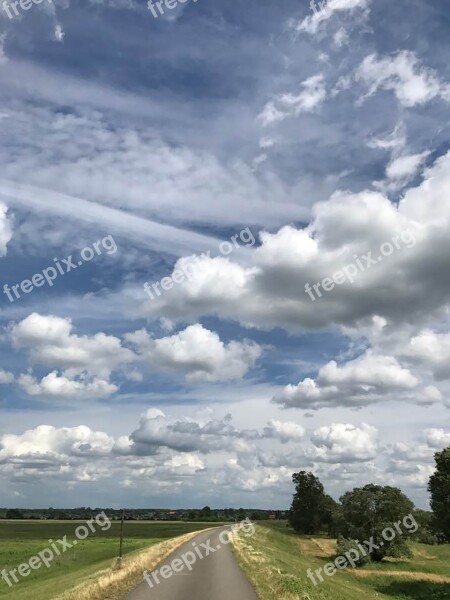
224	239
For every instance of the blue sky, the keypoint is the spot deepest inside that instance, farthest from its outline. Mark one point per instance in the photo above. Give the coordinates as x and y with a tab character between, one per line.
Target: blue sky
324	136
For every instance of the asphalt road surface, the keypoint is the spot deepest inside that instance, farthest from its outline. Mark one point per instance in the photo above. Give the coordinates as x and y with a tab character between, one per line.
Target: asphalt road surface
214	577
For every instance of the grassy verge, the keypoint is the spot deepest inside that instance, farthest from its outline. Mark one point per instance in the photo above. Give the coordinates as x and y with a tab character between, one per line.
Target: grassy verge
92	559
276	561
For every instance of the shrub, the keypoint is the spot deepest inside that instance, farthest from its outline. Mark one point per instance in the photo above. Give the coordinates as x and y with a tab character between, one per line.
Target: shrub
346	545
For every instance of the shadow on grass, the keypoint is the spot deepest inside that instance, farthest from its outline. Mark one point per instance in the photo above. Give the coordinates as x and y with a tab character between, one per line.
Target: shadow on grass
416	590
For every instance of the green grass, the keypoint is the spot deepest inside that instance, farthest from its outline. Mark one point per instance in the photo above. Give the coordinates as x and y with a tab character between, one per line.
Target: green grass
20	540
276	560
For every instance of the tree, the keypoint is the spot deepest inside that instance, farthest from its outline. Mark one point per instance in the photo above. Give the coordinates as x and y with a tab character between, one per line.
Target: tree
240	514
308	504
368	511
425	534
439	488
14	514
205	513
331	512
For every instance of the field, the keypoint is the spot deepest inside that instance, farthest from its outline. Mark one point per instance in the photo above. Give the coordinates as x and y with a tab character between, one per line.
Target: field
20	540
276	561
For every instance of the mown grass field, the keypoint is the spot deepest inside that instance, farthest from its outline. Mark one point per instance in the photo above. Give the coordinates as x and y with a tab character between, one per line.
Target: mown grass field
276	561
20	540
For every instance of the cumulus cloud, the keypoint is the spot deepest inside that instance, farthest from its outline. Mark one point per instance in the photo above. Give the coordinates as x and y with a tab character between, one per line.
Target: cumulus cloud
60	386
48	444
269	291
437	438
360	382
412	84
284	431
73	454
50	342
156	431
312	95
345	443
198	353
414	462
432	350
87	362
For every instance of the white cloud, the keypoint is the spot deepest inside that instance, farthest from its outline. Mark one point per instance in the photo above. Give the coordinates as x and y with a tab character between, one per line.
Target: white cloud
72	454
365	380
198	353
412	84
432	350
421	476
6	377
326	10
156	431
284	431
54	385
345	443
47	443
172	184
405	167
395	140
311	96
50	342
432	394
5	229
437	438
59	33
269	291
271	114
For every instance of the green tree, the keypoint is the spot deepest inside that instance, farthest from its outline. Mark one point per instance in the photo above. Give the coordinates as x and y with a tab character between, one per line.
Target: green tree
308	504
240	514
14	514
206	514
368	511
330	512
439	488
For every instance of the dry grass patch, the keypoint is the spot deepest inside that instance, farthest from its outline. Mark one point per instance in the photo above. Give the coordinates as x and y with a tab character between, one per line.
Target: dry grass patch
317	547
327	546
424	554
411	575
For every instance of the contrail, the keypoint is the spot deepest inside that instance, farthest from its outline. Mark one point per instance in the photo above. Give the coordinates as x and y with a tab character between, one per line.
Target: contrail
163	238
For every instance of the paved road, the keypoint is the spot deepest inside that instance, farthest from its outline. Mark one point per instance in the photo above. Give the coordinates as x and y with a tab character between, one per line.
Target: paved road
215	577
